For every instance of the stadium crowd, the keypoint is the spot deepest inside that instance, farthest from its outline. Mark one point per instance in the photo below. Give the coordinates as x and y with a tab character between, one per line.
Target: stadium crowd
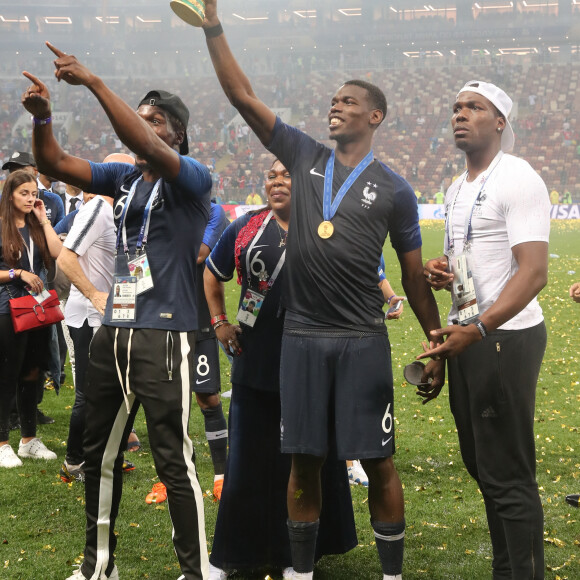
418	144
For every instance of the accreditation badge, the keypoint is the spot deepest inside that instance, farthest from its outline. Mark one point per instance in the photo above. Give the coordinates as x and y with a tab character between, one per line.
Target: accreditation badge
139	268
250	308
124	298
463	289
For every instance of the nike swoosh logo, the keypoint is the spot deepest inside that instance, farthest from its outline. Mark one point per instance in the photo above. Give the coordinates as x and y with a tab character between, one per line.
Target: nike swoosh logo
199	382
261	246
314	172
125	190
383	442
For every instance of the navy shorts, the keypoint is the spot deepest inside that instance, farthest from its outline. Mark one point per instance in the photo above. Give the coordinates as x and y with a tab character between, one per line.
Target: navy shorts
336	386
206	375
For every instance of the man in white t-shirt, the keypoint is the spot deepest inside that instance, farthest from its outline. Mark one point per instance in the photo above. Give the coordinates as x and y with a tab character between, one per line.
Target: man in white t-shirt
87	259
496	262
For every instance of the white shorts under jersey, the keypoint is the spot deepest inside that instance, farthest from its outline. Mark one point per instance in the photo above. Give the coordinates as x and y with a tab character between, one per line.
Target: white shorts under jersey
514	208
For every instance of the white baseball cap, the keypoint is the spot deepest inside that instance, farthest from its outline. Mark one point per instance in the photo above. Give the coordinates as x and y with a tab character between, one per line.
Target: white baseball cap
501	101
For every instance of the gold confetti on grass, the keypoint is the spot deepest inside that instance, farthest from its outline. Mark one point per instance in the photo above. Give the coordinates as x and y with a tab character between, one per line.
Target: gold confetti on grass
435	525
555	542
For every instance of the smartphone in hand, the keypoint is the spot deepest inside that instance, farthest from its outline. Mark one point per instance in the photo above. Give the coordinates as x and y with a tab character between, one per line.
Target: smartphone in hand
394	307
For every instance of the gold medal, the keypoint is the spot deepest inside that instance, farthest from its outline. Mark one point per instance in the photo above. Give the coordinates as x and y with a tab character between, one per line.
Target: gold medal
325	230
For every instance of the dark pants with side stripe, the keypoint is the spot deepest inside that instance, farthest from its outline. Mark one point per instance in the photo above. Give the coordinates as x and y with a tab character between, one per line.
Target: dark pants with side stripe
492	388
158	365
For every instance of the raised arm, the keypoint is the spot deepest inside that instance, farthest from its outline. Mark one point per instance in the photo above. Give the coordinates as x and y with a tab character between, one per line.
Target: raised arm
49	155
136	133
53	242
233	80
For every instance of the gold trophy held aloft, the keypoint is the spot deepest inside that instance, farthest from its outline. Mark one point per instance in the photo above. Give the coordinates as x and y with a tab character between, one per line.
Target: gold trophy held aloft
191	11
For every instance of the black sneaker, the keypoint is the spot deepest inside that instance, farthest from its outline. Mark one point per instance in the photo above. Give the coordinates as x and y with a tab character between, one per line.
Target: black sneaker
128	466
573	499
69	473
49	384
42	419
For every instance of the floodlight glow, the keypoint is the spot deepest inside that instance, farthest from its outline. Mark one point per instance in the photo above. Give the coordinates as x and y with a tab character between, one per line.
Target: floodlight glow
496	7
249	18
305	13
57	20
108	19
350	11
427	53
24	19
149	21
519	50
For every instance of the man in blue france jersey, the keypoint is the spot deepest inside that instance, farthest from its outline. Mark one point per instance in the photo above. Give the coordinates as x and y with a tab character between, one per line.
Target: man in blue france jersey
143	352
336	377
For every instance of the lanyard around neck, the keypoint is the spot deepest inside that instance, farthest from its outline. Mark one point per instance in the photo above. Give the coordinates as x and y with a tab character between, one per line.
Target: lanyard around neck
29	250
329	207
258	235
467	231
144	230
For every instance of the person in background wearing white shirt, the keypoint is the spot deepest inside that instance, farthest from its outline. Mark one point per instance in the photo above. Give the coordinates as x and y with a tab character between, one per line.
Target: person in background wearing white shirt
72	198
497	229
87	261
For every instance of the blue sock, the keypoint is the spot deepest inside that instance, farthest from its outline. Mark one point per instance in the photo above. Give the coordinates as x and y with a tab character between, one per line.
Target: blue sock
216	432
303	544
390	539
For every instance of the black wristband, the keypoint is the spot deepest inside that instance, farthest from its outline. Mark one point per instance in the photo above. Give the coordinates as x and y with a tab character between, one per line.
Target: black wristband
213	31
481	327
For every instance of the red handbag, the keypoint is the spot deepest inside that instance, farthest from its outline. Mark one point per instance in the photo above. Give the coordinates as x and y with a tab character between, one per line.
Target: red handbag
28	314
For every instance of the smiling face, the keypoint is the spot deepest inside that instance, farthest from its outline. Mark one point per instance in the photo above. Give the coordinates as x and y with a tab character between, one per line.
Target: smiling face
475	123
23	198
279	189
351	116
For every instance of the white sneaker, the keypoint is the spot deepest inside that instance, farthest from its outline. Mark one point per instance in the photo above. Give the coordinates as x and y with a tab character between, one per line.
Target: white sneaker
78	575
35	449
8	458
357	475
291	574
216	573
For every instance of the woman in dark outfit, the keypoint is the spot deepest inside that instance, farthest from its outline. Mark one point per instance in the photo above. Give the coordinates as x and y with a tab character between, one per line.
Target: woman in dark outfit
27	246
251	530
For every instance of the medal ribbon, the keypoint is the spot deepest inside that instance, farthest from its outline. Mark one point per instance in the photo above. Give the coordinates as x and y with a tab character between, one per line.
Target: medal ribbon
144	231
274	275
329	209
449	239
